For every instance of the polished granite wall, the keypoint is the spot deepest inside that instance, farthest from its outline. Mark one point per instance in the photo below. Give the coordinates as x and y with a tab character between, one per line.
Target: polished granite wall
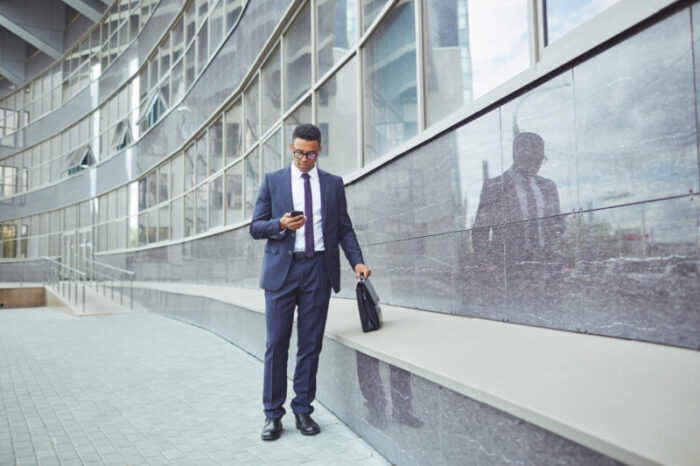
218	81
409	419
617	224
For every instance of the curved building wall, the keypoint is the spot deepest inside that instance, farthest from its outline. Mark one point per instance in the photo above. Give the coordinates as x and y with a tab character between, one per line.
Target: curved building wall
419	105
595	242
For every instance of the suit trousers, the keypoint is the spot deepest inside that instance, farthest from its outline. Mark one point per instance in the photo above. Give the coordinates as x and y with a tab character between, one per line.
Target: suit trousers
307	288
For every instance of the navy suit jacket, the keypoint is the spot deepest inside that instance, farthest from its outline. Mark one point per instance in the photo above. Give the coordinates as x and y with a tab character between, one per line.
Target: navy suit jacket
274	200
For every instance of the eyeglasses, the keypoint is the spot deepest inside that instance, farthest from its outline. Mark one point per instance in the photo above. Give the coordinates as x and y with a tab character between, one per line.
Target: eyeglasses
309	155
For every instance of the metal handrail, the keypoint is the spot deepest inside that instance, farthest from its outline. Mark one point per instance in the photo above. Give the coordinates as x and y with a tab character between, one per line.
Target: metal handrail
102	264
111	279
60	284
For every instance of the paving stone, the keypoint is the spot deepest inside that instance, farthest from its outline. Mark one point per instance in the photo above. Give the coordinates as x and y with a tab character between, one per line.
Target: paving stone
142	389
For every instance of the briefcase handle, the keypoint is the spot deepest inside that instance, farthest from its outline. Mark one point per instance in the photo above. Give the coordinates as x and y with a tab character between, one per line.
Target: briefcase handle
362	276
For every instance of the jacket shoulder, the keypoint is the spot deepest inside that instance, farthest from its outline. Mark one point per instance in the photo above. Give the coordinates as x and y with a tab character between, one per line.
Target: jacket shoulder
330	176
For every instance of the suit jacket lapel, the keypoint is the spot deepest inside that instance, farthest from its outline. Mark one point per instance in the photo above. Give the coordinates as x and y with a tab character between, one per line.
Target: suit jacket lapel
287	189
325	195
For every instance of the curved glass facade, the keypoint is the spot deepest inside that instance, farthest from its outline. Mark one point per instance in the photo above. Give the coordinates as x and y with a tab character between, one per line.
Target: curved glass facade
82	64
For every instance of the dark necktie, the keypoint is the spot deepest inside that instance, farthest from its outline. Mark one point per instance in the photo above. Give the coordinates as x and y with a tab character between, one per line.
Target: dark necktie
309	212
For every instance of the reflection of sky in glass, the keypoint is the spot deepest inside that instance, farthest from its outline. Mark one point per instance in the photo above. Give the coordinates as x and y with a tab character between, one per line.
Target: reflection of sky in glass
498	39
565	15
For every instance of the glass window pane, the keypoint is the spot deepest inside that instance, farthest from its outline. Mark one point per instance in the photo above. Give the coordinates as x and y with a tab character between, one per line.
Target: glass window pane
178	83
472	47
216	202
190	23
189	213
163	182
301	115
233	10
251	114
121	234
272	157
153	226
563	16
234	194
189	168
164	54
216	146
189	67
217	26
370	10
143	223
252	180
201	146
391	114
234	131
164	223
337	31
178	40
271	108
177	176
203	47
337	119
112	235
176	217
152	196
142	194
202	208
133	231
297	58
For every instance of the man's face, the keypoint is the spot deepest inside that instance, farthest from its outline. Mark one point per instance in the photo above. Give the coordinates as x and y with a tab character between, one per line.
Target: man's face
528	158
304	164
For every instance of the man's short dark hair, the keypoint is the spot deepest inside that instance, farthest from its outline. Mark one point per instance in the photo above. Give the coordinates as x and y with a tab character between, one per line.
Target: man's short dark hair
307	132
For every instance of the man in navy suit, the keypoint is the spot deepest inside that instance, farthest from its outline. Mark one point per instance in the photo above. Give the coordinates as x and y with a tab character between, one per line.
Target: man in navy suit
300	266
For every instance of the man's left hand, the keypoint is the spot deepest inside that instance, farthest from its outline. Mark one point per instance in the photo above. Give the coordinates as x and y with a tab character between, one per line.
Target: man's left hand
362	268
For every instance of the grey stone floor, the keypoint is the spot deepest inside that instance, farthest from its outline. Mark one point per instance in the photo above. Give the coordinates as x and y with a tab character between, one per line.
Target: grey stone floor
142	389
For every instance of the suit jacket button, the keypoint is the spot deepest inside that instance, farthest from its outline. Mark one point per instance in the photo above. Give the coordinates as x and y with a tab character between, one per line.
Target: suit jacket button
290	252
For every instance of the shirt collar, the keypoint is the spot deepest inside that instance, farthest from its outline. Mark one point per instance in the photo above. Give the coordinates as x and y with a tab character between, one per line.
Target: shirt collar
313	173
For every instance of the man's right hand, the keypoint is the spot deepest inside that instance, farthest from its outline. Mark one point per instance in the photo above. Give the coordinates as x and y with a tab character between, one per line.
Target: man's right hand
291	223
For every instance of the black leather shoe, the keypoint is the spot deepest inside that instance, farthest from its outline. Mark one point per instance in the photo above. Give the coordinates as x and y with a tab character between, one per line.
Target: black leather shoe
272	429
306	425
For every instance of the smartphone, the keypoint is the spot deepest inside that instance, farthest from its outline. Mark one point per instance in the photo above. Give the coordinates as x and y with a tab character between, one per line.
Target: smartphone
296	213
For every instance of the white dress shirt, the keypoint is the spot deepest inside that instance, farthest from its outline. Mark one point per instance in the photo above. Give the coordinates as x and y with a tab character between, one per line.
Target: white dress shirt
298	198
520	187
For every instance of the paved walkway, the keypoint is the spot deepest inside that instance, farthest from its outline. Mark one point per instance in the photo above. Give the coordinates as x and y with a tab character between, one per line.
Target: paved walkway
142	389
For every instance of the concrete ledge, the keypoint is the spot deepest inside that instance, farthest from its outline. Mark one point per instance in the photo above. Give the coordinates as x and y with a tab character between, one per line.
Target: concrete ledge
633	401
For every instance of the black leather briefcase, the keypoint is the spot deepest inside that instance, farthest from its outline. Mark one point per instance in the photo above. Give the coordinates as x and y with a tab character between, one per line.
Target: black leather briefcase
368	305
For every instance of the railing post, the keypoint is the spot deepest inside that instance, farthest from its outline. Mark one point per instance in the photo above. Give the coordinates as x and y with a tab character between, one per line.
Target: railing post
121	292
131	284
84	294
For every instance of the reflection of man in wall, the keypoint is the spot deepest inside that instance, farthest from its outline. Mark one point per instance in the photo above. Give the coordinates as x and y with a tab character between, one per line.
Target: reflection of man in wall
375	399
526	203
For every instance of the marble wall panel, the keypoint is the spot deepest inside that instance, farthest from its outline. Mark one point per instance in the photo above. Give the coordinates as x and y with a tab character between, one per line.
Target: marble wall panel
640	268
695	19
475	150
479	274
543	284
475	433
546	112
635	118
